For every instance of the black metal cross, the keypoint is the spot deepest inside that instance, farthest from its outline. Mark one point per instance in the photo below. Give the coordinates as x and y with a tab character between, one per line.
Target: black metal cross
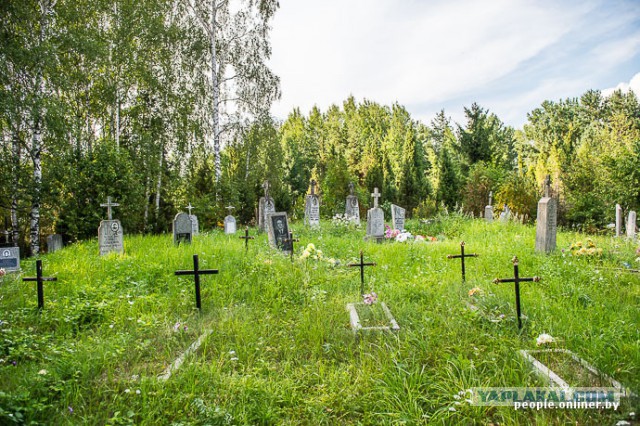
291	240
246	238
196	274
361	265
461	256
40	279
517	280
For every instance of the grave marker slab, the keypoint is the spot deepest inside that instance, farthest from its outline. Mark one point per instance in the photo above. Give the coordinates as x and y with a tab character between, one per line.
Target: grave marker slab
278	231
54	243
546	223
631	224
506	214
397	217
375	219
488	210
10	258
195	225
110	237
619	219
182	228
356	326
352	208
312	207
230	222
266	206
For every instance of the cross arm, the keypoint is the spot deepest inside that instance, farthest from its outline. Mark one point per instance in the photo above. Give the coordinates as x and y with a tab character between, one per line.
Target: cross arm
513	280
41	279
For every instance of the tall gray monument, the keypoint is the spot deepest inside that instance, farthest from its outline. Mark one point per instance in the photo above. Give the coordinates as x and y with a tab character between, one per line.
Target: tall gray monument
547	220
488	210
110	232
352	208
375	219
397	217
631	224
230	222
312	207
619	219
266	206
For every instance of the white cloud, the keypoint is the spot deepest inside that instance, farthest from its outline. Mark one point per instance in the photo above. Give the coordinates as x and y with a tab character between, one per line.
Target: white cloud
634	85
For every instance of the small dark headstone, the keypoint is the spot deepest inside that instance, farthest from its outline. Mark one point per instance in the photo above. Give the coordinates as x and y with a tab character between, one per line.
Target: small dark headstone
10	258
279	231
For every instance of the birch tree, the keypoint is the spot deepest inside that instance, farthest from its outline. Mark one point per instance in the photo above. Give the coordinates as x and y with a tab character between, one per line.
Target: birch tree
241	85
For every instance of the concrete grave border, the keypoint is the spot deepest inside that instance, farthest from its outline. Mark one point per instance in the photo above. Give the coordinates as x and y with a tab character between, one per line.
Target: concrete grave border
355	319
180	360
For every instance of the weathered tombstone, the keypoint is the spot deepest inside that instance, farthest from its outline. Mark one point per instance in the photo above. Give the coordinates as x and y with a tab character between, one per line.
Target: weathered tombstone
194	221
352	208
278	230
266	206
230	222
506	214
618	220
397	217
110	232
54	243
10	258
182	228
312	207
631	224
375	219
488	210
546	222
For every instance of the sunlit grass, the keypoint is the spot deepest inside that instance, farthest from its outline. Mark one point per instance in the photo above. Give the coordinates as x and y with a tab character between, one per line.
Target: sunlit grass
281	350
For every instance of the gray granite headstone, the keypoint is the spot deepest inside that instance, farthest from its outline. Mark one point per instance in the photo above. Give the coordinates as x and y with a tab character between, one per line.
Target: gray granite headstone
110	237
352	208
506	214
488	210
278	231
546	223
312	207
182	228
266	206
194	221
631	224
54	243
619	219
10	258
375	219
230	222
397	217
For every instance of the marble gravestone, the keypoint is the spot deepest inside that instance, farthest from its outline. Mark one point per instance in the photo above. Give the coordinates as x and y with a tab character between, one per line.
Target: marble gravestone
278	231
506	214
10	258
266	206
546	222
110	232
194	221
375	219
182	228
54	243
352	208
488	210
619	219
312	207
397	217
230	222
631	224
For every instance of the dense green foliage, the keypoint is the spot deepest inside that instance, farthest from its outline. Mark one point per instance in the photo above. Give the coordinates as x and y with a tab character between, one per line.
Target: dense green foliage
281	351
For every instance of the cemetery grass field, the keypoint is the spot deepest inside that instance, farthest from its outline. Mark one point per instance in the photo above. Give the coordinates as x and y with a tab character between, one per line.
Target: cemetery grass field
280	350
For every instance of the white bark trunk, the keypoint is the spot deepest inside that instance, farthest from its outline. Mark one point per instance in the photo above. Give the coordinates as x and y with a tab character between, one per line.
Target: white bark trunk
159	184
215	114
15	150
146	204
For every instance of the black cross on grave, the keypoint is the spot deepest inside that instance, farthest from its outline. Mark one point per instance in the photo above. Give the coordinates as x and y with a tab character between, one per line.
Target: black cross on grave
40	279
517	280
361	265
313	186
462	256
246	238
108	205
291	240
196	275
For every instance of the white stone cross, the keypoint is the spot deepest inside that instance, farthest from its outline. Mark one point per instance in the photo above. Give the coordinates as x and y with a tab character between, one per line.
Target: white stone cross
490	197
108	205
375	196
190	207
351	188
265	185
547	186
230	208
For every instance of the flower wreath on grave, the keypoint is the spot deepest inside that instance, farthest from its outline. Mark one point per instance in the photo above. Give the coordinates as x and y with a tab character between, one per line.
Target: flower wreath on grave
405	236
310	252
587	249
2	272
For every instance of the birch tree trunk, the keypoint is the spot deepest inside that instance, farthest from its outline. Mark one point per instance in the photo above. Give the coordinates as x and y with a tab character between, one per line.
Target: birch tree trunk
215	115
15	151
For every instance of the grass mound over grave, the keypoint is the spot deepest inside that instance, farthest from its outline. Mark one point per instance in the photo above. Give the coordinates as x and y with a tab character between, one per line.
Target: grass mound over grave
281	349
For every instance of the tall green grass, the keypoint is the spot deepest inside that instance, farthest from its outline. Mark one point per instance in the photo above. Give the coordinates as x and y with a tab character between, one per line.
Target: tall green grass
281	351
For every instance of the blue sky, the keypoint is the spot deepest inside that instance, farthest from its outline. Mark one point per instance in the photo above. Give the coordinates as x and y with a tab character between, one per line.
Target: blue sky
506	55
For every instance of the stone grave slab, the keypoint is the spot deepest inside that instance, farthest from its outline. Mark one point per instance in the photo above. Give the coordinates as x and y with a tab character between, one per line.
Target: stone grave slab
110	237
619	219
356	325
631	224
278	231
312	207
10	259
352	207
182	228
54	243
397	217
